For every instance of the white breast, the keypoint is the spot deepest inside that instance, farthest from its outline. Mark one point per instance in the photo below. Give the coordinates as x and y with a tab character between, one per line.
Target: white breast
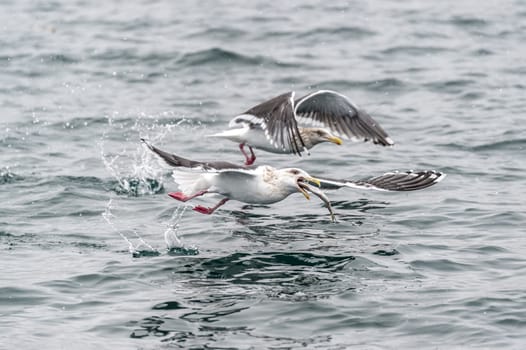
250	189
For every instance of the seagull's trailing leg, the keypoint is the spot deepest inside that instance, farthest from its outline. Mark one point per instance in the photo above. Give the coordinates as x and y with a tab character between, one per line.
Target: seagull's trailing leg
180	196
204	210
252	159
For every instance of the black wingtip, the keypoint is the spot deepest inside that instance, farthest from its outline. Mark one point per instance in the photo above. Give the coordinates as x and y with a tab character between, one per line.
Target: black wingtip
150	146
407	181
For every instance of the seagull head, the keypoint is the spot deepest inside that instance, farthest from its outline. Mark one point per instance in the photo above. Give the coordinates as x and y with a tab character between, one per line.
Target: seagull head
297	180
319	135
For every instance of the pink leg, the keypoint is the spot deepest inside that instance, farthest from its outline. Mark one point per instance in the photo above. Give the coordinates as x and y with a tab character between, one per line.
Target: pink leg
252	156
181	197
204	210
248	160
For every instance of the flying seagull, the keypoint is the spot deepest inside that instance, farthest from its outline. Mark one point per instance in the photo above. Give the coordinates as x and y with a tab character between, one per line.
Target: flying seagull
266	185
272	126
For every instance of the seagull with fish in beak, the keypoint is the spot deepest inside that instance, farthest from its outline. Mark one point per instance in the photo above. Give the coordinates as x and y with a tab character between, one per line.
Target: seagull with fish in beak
266	185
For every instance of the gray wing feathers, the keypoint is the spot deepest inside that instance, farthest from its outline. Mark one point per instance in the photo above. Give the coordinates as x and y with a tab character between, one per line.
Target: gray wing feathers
392	181
176	161
341	116
279	122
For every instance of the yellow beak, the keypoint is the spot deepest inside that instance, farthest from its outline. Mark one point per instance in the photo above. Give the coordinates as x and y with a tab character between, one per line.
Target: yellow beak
309	179
314	180
305	193
335	140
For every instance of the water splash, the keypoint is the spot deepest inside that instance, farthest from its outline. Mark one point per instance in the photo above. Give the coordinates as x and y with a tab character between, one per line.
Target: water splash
108	217
136	250
7	176
134	167
137	172
134	173
141	248
170	235
173	243
139	179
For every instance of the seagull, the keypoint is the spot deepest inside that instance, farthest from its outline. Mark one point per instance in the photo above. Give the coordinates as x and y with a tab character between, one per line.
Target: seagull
266	185
272	126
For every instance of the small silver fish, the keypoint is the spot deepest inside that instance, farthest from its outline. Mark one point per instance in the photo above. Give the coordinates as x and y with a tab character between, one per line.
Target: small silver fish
318	193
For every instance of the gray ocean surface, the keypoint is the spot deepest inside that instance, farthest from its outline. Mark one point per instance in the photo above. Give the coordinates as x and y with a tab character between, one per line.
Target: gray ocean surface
95	255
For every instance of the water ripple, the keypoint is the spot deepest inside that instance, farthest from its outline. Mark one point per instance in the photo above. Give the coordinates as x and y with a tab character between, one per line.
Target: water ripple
220	57
413	50
387	84
338	33
131	55
504	145
14	298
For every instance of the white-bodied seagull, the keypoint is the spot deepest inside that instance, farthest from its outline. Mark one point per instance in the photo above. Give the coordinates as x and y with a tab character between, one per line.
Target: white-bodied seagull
266	185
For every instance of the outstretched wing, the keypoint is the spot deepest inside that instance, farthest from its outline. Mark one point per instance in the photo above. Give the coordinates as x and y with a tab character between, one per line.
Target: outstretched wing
176	161
337	113
276	117
392	181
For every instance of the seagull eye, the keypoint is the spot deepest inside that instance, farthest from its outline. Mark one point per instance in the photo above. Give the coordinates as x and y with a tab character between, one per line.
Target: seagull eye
294	172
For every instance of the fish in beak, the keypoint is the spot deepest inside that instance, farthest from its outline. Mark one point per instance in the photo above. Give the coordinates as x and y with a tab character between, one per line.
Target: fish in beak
304	187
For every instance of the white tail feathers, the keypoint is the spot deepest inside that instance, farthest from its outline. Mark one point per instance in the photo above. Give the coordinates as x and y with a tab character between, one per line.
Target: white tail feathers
189	182
235	135
226	134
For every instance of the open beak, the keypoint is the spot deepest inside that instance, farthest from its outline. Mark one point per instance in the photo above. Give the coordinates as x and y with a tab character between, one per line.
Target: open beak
335	140
303	186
